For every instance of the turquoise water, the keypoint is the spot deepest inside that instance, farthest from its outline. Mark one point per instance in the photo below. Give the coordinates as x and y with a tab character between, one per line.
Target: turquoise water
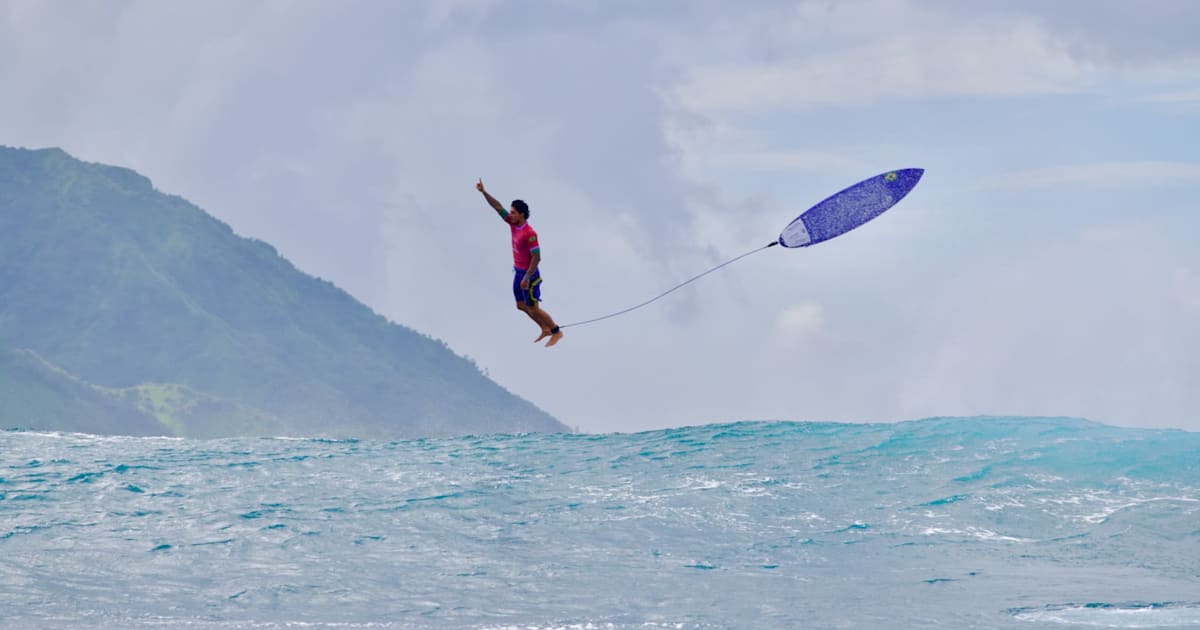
952	523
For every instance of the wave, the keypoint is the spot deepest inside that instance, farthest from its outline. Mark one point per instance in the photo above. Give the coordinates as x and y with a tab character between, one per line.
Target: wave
965	522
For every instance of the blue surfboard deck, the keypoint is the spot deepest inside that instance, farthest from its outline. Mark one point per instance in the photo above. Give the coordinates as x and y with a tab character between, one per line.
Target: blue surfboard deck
850	208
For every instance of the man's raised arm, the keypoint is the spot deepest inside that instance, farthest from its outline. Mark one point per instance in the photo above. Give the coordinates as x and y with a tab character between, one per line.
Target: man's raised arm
492	200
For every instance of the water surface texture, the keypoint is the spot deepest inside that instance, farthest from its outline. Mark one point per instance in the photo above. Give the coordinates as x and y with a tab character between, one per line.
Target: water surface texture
954	523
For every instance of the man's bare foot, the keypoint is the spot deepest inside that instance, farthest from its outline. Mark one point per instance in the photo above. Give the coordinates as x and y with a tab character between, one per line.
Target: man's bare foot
545	333
554	339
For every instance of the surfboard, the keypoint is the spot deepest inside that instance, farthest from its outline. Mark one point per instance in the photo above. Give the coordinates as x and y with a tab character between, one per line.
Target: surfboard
843	211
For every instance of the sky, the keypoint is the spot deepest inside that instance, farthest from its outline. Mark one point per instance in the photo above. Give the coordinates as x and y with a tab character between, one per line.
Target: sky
1047	264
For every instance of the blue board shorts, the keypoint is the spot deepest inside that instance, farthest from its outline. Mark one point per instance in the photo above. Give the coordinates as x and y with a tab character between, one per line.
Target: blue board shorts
532	295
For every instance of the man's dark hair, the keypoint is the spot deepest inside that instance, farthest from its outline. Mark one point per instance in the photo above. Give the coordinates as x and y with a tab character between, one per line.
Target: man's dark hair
521	206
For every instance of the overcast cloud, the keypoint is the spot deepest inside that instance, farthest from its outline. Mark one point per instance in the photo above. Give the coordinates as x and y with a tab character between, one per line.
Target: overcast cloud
1047	264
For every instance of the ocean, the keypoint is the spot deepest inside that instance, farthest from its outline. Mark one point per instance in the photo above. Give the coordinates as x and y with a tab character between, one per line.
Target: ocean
936	523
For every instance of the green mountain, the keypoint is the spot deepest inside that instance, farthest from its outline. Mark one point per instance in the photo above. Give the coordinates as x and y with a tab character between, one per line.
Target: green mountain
125	310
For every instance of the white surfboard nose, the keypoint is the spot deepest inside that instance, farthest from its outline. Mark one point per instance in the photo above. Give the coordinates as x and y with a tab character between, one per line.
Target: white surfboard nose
795	235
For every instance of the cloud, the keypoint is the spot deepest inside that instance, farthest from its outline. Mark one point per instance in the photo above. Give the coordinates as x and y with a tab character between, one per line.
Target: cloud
1185	283
1014	57
1146	174
1095	325
1189	97
705	150
444	12
799	321
1112	32
1186	101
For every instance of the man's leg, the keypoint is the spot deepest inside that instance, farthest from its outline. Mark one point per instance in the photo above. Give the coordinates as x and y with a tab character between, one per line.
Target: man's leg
548	326
528	311
546	322
539	317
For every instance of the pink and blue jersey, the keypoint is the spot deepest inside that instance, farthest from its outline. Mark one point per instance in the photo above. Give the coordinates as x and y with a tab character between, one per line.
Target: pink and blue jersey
525	244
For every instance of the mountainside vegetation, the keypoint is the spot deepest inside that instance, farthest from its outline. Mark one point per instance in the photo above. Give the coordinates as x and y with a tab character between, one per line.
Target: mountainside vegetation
126	310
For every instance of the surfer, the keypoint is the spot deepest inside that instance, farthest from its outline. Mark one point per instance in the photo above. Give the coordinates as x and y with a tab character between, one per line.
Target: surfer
527	255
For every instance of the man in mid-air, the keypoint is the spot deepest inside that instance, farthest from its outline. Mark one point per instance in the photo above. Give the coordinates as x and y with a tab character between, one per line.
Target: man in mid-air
527	282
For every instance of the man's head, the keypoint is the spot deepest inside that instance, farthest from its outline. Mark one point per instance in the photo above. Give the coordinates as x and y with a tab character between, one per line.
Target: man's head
518	213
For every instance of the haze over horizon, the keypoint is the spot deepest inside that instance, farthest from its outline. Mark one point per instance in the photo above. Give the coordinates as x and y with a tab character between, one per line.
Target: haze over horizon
1046	265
